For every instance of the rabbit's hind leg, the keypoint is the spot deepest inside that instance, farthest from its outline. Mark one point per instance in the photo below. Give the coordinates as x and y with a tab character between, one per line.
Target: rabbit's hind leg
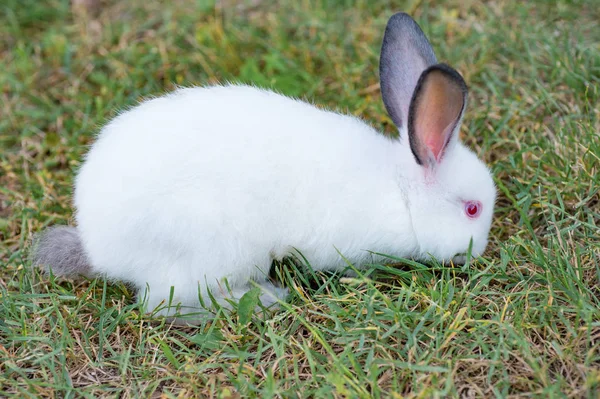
175	301
184	305
270	294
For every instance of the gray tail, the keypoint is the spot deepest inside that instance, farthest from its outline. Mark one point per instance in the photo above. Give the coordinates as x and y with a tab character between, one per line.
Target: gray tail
60	249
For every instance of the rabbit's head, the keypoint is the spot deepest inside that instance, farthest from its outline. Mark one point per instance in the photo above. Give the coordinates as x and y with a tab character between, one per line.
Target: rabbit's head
450	192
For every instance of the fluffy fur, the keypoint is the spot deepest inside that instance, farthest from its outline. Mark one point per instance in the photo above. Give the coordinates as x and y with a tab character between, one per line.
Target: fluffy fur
61	247
211	184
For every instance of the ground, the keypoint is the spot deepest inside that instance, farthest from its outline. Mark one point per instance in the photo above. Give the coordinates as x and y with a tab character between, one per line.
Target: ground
522	321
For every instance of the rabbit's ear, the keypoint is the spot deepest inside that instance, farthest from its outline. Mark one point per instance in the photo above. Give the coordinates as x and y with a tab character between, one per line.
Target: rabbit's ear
435	113
405	54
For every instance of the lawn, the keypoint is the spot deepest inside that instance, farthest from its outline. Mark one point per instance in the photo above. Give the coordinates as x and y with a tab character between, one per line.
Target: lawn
522	321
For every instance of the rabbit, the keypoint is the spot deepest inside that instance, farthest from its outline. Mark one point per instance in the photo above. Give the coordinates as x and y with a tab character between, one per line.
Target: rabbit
198	191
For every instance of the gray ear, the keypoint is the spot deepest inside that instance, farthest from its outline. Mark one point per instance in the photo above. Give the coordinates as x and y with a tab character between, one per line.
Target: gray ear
405	54
437	108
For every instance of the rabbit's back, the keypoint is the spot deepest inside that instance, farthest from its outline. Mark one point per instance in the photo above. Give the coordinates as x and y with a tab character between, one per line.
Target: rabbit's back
230	175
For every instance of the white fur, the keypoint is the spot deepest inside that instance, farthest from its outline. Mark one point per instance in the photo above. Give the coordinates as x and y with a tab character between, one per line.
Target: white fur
207	184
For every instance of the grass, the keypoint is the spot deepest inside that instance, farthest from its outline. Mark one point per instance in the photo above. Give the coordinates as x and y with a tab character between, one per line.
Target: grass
523	321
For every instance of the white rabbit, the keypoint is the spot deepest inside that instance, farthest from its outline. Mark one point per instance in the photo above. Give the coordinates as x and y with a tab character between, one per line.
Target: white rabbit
210	184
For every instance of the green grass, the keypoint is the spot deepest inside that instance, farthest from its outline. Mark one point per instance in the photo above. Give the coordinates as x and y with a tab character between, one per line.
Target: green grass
524	321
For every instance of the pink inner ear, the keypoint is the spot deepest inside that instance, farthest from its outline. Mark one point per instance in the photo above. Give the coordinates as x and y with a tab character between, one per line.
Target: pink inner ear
439	105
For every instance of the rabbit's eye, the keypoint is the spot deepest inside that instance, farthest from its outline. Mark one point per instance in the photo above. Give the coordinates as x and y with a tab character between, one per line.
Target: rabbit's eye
473	209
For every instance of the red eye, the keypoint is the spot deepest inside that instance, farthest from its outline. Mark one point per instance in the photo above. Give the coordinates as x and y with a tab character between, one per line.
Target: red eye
473	209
